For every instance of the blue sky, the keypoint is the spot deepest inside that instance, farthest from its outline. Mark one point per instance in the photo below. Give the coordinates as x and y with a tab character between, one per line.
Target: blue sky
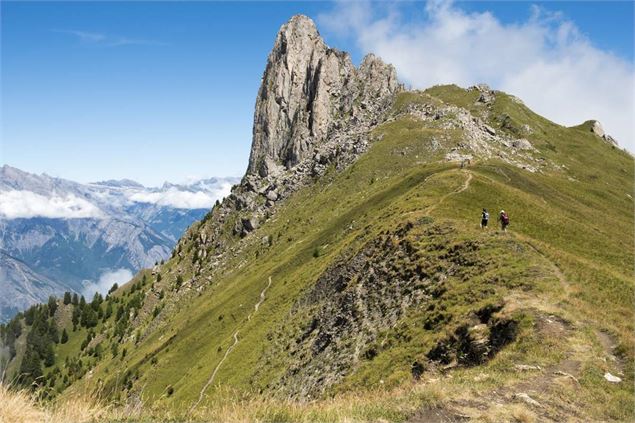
165	91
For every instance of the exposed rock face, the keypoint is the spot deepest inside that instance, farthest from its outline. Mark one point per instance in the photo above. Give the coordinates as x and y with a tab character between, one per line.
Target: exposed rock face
365	292
597	129
487	95
306	89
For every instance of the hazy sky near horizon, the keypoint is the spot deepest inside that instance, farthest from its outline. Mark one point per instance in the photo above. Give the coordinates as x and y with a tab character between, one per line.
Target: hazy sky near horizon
156	91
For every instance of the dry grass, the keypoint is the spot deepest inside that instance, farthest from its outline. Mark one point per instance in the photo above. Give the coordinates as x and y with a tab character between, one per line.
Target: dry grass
19	407
380	405
23	407
507	413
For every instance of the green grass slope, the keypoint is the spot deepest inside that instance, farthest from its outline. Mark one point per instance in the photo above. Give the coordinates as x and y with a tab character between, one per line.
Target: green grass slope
378	277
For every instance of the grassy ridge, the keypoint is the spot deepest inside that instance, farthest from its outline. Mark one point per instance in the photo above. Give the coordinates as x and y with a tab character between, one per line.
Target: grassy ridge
568	254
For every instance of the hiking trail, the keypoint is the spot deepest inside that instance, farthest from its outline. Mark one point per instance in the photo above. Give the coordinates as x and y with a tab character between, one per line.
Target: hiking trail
262	298
465	186
533	382
231	347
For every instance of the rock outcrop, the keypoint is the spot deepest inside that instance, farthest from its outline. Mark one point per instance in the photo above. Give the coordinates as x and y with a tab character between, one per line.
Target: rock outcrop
308	90
597	129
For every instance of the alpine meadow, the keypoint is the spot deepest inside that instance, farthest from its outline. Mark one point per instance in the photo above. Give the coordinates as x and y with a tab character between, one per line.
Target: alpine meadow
346	277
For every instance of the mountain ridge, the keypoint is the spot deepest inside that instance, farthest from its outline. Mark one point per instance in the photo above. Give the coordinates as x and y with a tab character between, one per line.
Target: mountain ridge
361	270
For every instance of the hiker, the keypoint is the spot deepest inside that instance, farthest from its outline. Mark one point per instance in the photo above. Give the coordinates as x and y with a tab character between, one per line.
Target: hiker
484	219
504	218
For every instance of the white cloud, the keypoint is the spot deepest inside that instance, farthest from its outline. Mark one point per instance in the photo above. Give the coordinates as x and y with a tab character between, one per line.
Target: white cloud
106	281
544	60
179	199
26	204
99	39
85	37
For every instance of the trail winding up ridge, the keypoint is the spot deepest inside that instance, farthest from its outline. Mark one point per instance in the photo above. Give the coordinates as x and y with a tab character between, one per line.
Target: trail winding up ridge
231	347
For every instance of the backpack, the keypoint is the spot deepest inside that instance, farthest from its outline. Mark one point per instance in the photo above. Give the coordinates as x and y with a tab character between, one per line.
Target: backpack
505	218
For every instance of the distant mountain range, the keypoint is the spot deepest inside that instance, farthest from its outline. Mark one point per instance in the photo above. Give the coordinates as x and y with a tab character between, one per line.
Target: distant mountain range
58	235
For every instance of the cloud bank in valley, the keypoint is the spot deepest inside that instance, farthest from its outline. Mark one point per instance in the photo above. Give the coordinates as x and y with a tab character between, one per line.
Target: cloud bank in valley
545	60
182	199
106	281
16	204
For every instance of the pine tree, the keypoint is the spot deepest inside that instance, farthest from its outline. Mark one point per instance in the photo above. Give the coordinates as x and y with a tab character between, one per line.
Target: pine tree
30	369
67	298
89	317
120	312
97	300
49	356
64	336
29	315
108	311
52	305
54	333
75	300
76	315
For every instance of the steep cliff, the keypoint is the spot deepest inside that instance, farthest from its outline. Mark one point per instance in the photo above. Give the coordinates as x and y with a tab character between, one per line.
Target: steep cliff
309	90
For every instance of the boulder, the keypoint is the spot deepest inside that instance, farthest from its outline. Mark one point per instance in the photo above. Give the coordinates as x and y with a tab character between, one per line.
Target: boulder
244	201
522	144
597	129
250	224
526	367
478	338
486	94
527	399
272	195
610	139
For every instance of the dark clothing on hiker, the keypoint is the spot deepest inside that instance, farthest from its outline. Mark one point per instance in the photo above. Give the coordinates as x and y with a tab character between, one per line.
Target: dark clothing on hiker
504	218
484	218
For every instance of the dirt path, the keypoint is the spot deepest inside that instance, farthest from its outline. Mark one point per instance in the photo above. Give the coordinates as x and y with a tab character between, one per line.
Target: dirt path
231	347
555	268
262	298
465	186
533	382
609	343
211	379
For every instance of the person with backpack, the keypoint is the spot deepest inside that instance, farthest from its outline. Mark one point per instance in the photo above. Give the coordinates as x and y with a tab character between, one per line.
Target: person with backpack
484	219
504	218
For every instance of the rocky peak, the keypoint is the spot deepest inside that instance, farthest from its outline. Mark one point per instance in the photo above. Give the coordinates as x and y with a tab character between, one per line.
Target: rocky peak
306	88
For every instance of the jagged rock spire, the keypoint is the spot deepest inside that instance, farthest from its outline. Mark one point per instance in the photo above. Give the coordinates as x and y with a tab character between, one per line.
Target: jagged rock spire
306	88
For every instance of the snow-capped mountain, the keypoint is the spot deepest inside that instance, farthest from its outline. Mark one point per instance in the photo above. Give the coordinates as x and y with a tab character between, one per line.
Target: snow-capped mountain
87	236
